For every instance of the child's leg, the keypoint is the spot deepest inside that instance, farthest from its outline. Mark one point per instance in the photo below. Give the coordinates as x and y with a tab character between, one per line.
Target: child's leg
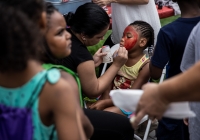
114	109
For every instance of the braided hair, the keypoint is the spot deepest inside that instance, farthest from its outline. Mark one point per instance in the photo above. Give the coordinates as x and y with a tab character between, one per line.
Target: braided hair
147	32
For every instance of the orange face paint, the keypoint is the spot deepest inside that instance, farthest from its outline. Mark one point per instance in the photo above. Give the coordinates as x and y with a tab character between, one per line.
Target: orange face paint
130	37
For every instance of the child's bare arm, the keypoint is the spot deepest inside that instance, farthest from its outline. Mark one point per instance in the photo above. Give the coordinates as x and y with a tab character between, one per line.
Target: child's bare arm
142	78
67	113
84	120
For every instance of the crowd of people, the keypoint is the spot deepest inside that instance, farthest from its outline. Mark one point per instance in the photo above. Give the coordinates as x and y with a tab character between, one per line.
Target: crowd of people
46	70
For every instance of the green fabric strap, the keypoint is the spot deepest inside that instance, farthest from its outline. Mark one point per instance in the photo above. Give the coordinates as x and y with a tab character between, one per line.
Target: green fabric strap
49	66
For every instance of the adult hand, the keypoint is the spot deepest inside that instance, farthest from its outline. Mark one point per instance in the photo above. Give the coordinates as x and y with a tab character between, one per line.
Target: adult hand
98	57
120	57
151	103
102	2
98	105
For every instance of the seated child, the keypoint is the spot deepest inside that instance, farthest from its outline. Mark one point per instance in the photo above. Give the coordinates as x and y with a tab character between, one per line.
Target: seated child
137	36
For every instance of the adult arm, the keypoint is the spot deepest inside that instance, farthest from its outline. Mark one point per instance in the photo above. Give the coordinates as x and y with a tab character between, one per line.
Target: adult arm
185	87
142	78
156	98
93	86
135	2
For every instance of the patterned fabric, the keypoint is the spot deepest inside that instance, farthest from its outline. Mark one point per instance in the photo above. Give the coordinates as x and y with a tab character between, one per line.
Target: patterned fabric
127	75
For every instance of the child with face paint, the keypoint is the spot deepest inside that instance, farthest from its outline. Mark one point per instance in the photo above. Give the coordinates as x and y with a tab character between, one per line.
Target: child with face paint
136	38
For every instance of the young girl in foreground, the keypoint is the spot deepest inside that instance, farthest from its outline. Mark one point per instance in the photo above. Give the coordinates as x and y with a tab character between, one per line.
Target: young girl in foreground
136	38
22	78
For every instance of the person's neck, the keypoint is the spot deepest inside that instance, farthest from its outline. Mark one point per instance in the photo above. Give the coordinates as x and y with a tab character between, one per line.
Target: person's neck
135	54
133	58
189	11
16	79
77	36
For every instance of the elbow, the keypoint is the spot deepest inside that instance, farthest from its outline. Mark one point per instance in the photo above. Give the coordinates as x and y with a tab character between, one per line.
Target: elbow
154	75
92	94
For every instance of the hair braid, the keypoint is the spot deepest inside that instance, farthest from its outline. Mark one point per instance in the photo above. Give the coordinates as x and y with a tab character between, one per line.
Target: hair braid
147	32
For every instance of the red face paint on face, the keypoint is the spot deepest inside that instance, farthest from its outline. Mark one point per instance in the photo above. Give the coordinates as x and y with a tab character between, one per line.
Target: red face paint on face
130	37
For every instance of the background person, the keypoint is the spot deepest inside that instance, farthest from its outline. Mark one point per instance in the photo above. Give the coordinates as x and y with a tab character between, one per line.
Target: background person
190	57
156	98
171	42
125	12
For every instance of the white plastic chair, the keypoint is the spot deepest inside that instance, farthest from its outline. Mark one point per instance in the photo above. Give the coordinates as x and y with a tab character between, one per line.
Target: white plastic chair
163	75
113	49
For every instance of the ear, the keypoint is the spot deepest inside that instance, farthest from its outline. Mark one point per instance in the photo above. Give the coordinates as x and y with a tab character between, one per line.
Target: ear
83	36
143	42
43	22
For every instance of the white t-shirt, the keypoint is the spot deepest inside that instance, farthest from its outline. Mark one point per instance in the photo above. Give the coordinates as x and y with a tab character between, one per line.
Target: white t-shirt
123	15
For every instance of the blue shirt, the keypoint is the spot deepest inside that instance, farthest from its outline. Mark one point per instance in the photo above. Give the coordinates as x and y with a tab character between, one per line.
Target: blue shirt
170	46
171	42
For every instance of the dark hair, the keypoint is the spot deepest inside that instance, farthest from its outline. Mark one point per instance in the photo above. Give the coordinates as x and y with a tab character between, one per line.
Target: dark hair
19	40
89	19
48	56
32	8
50	9
147	32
